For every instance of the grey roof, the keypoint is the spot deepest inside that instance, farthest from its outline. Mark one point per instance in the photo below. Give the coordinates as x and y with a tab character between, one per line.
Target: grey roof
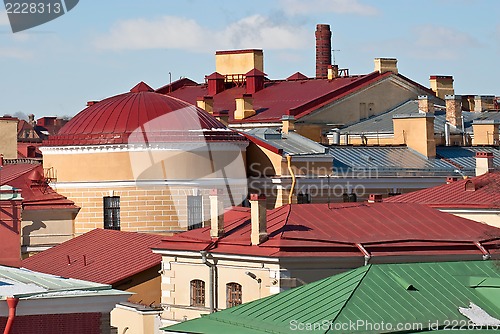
464	157
383	123
24	283
291	143
395	160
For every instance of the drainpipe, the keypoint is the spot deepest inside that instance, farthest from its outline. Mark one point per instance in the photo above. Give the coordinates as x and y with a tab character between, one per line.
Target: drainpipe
12	303
289	161
366	254
486	254
211	282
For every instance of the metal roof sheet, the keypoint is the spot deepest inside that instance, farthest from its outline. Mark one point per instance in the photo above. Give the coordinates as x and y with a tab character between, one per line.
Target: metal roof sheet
290	143
383	123
419	294
24	283
395	160
103	256
464	158
486	194
318	230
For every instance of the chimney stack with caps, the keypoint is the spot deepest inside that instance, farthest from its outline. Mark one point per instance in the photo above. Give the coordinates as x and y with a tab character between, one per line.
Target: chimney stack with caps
323	50
383	65
484	163
258	219
415	131
333	72
375	198
442	85
425	104
483	102
244	107
454	110
215	83
254	80
485	132
216	214
206	103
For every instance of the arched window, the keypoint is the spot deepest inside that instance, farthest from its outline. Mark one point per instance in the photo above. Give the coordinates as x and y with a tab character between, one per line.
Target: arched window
233	294
197	293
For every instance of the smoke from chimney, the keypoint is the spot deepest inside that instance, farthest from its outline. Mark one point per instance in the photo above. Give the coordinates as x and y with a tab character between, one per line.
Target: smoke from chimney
323	50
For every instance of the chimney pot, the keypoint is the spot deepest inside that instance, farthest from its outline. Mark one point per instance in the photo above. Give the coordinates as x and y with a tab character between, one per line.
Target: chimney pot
258	219
375	198
216	214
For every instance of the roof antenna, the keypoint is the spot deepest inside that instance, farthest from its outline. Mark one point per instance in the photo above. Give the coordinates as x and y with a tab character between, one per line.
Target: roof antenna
333	55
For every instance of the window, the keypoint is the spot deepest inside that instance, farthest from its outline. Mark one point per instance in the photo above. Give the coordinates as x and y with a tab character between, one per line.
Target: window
233	294
111	206
195	212
303	198
197	293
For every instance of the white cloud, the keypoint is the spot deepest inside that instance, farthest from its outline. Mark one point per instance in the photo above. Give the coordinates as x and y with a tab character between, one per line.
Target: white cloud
295	7
4	19
15	53
170	32
438	42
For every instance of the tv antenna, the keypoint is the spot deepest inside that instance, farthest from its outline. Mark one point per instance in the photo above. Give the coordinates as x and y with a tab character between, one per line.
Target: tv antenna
333	54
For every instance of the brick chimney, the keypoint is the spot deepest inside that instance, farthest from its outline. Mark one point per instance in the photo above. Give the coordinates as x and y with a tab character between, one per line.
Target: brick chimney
258	219
454	110
383	65
244	106
442	85
216	214
425	104
484	163
8	137
215	82
206	103
254	80
483	102
323	50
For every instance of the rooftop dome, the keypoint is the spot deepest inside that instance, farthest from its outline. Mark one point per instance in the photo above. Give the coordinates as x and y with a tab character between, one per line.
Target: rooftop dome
143	116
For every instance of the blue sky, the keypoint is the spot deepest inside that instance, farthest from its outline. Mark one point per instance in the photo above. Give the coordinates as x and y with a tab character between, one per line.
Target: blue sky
103	48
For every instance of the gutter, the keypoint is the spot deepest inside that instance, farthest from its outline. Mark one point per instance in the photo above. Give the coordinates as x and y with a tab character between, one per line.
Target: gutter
212	286
12	304
289	162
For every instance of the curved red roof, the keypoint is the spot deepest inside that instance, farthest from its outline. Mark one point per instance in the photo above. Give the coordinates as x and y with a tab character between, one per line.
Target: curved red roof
148	116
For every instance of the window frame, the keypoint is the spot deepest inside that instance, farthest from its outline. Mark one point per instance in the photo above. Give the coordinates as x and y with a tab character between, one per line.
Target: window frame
190	211
197	293
111	212
234	294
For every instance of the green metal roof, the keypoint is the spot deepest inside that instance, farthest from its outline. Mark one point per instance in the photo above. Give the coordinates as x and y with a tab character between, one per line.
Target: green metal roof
404	298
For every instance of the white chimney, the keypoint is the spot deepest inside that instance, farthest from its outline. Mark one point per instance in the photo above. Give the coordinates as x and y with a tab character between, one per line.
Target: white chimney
484	163
258	219
216	214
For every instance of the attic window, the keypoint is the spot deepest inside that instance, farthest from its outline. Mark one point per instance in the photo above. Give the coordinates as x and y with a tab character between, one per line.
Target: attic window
111	206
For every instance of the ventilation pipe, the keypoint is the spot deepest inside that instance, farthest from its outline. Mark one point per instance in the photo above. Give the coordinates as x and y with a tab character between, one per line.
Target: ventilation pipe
12	304
447	135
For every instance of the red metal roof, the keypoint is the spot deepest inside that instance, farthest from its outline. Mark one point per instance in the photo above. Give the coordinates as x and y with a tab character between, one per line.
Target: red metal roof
484	192
320	230
278	98
36	195
102	256
143	113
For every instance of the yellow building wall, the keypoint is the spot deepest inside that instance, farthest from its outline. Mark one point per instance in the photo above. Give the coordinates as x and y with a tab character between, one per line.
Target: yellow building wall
8	137
46	227
129	321
492	219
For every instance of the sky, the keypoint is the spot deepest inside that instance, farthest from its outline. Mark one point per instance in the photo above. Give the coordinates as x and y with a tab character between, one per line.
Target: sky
103	48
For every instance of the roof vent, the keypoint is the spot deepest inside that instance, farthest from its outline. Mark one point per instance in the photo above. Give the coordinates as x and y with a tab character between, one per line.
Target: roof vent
470	186
451	179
